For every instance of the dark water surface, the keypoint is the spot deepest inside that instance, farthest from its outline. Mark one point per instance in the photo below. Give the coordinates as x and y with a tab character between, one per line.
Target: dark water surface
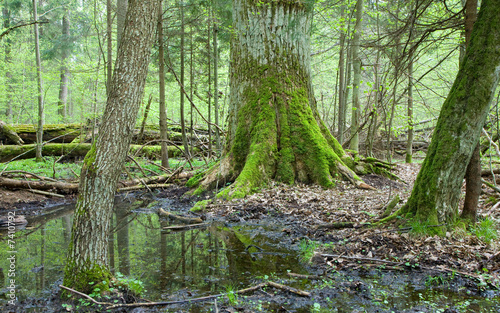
204	261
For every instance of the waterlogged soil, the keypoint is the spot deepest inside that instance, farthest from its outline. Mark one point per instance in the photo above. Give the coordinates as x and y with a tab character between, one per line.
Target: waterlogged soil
284	234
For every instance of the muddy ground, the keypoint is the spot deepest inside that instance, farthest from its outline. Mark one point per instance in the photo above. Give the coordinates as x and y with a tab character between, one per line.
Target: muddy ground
392	255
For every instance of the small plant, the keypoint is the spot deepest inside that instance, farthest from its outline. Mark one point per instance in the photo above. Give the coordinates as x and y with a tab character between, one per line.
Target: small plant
231	294
486	230
316	307
307	248
434	281
419	228
133	285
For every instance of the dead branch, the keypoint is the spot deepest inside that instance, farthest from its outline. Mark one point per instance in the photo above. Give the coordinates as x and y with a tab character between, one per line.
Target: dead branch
45	193
182	219
338	225
110	306
144	186
184	227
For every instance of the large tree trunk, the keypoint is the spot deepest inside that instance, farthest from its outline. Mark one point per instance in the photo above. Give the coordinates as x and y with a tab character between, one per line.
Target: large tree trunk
436	192
87	262
274	130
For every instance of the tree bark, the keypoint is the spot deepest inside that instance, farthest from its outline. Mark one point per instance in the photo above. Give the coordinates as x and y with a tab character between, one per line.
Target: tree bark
39	132
356	58
161	78
121	13
274	130
63	83
182	115
473	172
87	262
409	142
216	90
341	89
8	60
436	191
109	43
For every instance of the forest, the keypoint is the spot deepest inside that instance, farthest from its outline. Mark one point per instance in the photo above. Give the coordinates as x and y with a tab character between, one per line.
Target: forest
249	156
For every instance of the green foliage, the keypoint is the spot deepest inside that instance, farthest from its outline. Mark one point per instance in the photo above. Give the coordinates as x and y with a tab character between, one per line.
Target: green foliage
129	284
486	230
231	295
48	168
307	248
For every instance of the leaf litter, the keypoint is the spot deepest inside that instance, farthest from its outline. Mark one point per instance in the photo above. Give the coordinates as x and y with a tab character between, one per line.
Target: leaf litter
304	209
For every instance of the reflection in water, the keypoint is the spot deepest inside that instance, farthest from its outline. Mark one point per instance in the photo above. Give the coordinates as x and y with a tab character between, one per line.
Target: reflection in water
199	260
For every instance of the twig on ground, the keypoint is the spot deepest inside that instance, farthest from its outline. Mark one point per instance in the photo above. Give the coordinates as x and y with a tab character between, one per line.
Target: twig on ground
45	193
110	306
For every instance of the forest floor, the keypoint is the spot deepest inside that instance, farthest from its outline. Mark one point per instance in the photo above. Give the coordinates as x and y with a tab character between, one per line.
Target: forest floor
462	261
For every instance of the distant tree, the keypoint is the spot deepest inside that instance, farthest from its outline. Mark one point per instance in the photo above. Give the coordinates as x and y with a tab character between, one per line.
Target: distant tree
356	58
436	192
65	50
87	262
39	131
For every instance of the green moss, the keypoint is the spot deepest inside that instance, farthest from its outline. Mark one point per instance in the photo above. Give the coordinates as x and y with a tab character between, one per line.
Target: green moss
195	180
200	206
86	278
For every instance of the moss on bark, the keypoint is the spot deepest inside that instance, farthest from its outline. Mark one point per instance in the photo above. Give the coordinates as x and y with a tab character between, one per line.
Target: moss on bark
274	131
436	192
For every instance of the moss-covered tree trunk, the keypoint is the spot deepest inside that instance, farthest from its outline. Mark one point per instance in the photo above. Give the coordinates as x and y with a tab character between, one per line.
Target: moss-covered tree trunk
274	129
437	189
87	262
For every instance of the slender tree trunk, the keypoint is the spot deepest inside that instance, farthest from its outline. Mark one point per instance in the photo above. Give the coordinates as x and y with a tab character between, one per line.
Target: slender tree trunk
473	172
161	78
216	90
436	192
39	133
63	85
209	64
341	89
8	59
87	262
409	142
356	107
274	129
183	122
191	85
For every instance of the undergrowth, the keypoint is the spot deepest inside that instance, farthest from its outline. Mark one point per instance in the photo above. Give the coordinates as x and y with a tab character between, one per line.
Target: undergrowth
486	230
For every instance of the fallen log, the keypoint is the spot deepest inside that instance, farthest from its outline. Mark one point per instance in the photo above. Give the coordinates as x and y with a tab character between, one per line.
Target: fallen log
72	150
67	188
9	134
81	133
57	133
62	187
